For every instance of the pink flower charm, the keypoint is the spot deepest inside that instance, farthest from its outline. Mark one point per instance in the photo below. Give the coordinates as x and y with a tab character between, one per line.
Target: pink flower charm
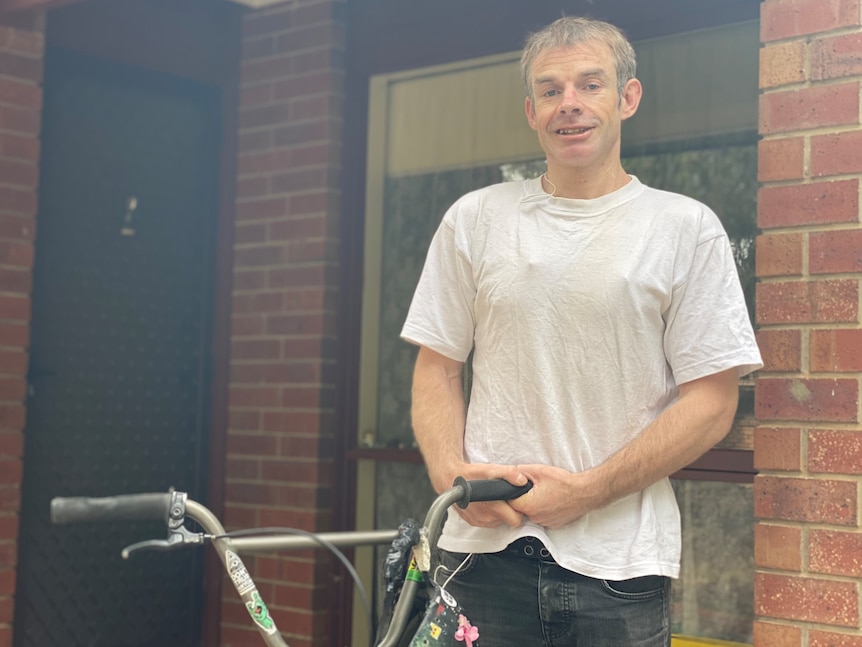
466	632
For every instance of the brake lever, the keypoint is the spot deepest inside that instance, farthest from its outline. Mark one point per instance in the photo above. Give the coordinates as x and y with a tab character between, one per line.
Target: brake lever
178	534
160	545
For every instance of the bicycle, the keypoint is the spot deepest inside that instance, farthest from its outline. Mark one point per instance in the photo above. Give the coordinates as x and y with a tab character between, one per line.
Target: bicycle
175	507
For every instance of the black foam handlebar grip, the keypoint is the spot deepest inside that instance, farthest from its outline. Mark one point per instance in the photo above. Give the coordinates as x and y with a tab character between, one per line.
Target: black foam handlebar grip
489	490
139	507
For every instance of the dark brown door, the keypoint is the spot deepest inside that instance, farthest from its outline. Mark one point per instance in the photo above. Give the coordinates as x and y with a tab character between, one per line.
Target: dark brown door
120	349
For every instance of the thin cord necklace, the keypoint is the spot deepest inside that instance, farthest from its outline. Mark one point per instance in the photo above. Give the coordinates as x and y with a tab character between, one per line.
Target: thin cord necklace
553	193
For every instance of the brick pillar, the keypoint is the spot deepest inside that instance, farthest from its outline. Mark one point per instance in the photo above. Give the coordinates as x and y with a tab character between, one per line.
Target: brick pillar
282	382
21	56
808	540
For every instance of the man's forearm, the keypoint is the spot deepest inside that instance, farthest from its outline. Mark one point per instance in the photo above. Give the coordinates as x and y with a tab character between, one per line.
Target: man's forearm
438	415
700	418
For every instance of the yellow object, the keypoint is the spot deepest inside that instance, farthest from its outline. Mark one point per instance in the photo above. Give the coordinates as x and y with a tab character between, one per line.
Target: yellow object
692	641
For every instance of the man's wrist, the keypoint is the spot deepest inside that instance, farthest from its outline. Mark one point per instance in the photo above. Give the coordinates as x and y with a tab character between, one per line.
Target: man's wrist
595	487
442	478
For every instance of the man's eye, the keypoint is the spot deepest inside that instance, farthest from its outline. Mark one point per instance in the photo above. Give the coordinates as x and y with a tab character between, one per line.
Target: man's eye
552	93
593	86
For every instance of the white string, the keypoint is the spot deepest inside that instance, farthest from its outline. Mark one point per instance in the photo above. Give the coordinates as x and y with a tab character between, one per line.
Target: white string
453	574
543	195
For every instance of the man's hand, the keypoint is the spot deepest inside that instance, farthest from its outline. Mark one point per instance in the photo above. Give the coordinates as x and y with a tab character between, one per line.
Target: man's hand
489	514
558	497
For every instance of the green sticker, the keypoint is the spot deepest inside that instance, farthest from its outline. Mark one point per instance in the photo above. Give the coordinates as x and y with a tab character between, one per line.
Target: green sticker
259	613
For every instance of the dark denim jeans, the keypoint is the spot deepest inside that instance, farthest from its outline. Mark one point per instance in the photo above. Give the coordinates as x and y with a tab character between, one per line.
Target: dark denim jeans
520	597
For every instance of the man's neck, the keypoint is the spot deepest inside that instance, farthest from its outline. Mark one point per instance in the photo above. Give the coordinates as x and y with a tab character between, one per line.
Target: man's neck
573	183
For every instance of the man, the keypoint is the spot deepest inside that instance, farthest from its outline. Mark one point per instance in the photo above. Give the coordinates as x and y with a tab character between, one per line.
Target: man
608	332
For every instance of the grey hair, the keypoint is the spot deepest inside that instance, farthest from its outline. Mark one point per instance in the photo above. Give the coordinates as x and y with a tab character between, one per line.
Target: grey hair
570	31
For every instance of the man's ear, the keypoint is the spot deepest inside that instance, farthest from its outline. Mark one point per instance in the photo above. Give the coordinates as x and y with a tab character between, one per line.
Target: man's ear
631	98
531	112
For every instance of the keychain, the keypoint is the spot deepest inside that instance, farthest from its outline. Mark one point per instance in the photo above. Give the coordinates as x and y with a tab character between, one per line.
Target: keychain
445	624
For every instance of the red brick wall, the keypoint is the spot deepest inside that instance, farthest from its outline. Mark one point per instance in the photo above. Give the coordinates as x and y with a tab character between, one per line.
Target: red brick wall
21	54
282	383
808	539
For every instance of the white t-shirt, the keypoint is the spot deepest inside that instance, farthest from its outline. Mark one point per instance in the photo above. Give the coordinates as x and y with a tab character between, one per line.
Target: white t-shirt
583	316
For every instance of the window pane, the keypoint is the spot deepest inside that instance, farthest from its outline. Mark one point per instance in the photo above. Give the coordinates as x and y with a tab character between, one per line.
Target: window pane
714	596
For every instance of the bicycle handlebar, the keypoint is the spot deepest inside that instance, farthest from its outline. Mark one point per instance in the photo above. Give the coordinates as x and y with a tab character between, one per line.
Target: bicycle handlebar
489	490
152	506
171	507
157	505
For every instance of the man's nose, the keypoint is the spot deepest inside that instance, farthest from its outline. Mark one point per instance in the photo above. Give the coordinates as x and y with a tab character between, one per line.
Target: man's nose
571	101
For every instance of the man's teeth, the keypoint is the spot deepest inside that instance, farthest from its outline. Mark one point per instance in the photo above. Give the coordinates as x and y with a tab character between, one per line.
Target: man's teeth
572	131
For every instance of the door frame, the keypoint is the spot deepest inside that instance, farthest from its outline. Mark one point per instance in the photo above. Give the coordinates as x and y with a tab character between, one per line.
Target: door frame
390	36
215	35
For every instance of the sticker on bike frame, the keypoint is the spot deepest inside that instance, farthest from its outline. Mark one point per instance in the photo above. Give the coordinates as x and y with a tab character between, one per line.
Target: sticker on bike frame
413	572
259	613
238	573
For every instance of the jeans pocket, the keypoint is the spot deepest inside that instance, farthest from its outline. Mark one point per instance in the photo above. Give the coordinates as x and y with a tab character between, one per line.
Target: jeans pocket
637	588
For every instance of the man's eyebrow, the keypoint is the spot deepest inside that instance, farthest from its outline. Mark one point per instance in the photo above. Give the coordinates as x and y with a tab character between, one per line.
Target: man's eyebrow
595	72
599	72
543	80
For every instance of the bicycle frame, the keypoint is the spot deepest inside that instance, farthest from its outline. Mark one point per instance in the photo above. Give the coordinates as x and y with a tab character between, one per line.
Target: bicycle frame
230	549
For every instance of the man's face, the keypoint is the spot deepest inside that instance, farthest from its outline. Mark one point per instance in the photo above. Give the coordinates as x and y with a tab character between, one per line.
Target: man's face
576	108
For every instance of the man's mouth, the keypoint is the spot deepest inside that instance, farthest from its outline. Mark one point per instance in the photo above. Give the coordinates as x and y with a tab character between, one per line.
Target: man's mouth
572	131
